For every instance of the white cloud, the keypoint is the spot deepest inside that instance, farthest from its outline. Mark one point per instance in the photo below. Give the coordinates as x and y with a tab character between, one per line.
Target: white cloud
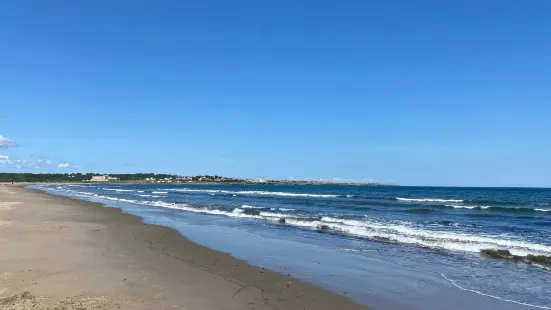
67	165
5	142
6	162
44	161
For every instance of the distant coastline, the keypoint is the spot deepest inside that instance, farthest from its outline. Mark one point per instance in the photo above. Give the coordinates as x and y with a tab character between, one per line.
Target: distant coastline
271	182
152	178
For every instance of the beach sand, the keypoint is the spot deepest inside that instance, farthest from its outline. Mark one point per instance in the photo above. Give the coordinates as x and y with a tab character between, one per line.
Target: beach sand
60	253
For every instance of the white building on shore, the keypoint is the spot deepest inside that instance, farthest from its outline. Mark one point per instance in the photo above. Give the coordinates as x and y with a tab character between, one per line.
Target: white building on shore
103	178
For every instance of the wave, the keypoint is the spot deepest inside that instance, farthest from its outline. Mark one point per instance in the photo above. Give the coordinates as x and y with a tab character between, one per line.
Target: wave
261	193
408	233
507	203
266	208
159	192
82	193
502	209
118	190
504	203
480	202
146	195
286	209
468	207
285	215
399	232
348	196
369	228
428	199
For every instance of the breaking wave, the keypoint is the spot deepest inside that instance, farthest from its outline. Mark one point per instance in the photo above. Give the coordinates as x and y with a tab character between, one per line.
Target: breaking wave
369	228
267	208
428	199
502	209
261	193
286	209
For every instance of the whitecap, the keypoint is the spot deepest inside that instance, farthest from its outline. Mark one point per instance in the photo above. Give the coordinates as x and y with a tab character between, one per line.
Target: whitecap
251	207
264	193
118	190
467	207
377	229
428	199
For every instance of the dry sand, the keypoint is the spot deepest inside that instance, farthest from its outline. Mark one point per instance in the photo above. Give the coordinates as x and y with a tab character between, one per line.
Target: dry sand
60	253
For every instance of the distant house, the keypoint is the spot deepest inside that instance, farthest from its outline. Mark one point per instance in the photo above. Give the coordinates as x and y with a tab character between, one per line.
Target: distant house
103	178
258	181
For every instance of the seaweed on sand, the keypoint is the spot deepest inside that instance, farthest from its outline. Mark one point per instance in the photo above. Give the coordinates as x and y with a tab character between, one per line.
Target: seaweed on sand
528	259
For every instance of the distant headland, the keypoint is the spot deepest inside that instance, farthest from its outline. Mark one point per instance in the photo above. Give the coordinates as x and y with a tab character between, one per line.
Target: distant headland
146	178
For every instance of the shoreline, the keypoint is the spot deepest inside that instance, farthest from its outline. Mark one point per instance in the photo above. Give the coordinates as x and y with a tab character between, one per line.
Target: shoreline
178	273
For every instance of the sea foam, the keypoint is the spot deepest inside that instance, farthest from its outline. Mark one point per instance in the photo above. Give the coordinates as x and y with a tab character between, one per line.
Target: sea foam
379	230
370	228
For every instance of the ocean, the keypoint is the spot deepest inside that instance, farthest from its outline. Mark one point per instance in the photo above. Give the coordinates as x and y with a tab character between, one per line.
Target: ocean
386	247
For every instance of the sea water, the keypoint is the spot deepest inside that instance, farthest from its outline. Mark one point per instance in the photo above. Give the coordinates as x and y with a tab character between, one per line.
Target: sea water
386	247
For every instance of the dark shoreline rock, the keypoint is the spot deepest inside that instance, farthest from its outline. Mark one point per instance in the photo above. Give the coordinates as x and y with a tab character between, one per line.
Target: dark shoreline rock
506	254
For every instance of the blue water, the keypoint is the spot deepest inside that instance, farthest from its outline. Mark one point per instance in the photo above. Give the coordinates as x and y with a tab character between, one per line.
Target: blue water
387	247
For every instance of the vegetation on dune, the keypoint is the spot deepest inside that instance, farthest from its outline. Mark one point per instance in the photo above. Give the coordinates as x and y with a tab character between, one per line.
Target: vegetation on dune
152	178
73	177
45	177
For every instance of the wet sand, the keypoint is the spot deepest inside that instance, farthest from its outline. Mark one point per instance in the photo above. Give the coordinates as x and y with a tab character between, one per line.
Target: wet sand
60	253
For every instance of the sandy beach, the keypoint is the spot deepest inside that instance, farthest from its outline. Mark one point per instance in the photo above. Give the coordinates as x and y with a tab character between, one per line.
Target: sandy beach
60	253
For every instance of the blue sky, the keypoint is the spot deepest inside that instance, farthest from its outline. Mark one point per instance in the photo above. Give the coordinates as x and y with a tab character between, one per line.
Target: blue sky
411	92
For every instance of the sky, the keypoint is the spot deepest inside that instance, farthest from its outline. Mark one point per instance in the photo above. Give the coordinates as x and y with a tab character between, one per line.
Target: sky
454	93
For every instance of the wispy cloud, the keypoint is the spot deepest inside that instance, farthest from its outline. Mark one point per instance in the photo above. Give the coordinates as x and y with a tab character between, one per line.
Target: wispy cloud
44	161
7	162
66	165
5	142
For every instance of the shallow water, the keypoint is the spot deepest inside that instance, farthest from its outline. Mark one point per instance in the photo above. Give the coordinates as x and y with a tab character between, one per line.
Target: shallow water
387	247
